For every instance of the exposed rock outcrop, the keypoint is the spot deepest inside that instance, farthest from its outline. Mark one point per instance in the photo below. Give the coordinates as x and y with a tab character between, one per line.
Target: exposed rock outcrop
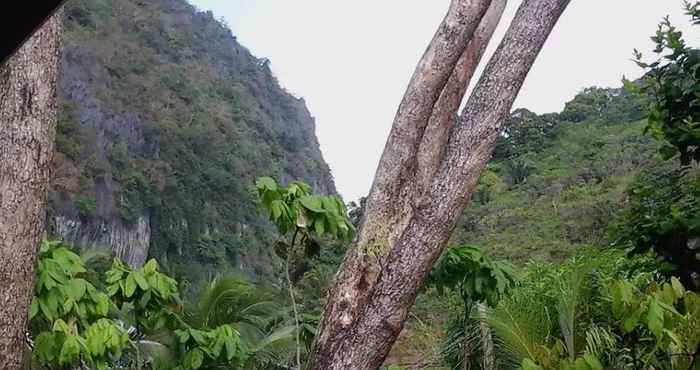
128	242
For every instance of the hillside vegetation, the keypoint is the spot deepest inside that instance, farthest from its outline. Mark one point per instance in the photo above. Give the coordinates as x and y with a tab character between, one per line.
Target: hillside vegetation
556	180
166	120
548	204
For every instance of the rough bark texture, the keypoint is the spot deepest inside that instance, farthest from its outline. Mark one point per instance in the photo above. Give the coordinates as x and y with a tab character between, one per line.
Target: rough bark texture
444	115
406	225
362	263
28	119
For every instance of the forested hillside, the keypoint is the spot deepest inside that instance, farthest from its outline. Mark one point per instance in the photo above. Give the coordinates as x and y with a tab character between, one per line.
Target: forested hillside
557	180
165	122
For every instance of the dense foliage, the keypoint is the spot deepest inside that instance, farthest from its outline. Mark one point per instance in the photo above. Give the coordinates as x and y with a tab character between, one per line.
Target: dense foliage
479	281
550	202
76	324
673	85
597	312
663	213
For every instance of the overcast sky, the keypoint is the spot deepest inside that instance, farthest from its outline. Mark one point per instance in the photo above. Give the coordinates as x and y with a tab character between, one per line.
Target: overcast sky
351	60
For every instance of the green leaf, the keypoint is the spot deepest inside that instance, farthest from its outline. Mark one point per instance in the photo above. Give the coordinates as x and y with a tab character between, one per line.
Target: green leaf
592	362
145	298
230	348
45	347
677	287
76	288
197	336
182	335
150	267
69	351
193	359
101	304
140	280
112	289
528	364
655	318
266	183
113	276
319	227
33	308
312	203
276	209
129	285
631	320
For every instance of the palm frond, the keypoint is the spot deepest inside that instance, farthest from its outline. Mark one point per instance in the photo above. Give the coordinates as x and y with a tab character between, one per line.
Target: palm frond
229	300
521	325
568	300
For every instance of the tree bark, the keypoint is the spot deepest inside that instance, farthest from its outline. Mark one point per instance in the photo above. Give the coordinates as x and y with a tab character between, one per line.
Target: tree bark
407	225
28	116
444	115
397	163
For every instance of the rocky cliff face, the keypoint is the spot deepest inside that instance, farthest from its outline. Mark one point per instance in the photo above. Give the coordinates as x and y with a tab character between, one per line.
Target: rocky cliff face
166	120
128	242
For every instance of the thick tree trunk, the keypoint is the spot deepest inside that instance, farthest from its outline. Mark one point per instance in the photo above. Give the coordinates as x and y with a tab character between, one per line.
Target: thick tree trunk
408	224
28	119
396	165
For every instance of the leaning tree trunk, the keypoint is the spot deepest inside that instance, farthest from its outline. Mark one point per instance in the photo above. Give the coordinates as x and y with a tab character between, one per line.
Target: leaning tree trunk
423	183
27	131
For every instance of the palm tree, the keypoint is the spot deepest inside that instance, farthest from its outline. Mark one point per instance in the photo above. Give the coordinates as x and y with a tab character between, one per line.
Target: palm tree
550	321
257	313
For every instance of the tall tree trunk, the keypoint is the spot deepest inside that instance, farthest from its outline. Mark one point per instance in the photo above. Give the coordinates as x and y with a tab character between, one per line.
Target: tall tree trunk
408	219
28	119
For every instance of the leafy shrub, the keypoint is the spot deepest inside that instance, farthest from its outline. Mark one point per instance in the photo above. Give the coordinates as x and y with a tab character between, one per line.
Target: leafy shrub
596	311
663	215
70	314
671	83
75	325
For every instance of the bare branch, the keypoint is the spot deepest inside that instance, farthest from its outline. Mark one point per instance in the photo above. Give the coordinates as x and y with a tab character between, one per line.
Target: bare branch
444	116
397	164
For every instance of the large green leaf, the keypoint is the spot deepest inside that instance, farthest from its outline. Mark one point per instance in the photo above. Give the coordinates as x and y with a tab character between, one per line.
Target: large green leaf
266	183
312	203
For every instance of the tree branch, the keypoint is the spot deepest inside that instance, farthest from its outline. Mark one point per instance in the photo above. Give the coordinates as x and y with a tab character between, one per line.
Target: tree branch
444	115
397	164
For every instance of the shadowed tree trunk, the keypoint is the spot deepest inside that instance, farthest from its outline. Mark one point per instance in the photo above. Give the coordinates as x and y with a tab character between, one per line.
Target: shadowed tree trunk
27	132
425	177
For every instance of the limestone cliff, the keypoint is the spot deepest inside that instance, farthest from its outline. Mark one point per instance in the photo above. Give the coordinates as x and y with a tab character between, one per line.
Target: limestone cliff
166	120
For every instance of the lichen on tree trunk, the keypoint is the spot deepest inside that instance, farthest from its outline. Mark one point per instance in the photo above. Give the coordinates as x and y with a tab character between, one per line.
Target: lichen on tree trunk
27	133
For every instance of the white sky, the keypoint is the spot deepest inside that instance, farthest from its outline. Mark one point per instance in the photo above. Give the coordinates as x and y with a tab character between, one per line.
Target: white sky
351	60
